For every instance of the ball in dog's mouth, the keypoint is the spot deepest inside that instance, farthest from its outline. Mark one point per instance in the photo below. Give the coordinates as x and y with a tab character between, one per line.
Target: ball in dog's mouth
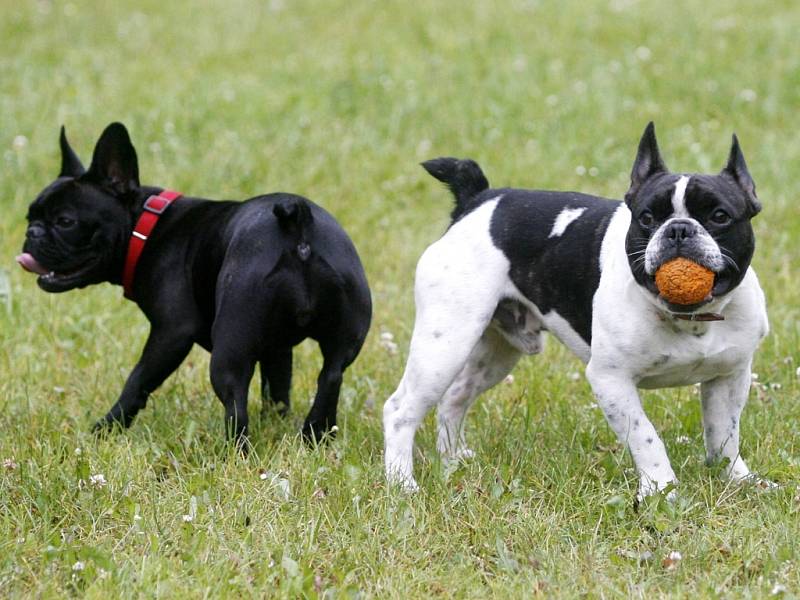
684	282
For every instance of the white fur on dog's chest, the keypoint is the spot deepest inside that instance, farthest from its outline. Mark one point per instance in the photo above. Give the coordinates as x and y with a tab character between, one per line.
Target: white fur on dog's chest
685	359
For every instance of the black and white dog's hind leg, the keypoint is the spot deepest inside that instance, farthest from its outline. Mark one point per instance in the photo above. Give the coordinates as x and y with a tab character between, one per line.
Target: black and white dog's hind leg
460	280
489	362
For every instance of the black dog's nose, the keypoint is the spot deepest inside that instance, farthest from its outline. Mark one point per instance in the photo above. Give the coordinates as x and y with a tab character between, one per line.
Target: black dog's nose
680	231
34	231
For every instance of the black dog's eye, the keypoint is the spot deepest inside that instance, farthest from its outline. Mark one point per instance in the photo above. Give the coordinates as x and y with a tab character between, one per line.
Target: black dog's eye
720	217
65	222
646	219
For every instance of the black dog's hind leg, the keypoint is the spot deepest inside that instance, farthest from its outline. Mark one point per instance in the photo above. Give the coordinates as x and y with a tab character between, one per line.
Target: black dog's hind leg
276	380
163	352
322	417
231	372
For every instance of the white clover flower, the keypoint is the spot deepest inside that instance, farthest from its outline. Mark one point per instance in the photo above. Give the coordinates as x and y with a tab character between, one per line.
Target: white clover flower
748	95
79	566
778	589
388	345
643	53
188	518
98	480
10	464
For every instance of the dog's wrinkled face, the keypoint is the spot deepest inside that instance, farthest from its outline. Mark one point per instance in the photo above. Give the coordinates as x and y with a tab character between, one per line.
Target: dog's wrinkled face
78	226
704	218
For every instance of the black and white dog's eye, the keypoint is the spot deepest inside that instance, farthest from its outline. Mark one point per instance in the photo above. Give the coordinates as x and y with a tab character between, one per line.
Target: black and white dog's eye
720	217
65	222
646	219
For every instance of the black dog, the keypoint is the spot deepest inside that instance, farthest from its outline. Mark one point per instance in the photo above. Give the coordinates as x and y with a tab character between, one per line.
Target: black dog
245	280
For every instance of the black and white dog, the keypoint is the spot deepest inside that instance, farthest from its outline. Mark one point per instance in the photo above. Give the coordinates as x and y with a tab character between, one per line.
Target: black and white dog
515	263
245	280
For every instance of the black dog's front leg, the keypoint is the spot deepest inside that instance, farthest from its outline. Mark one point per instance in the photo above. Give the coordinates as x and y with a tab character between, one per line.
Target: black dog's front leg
163	353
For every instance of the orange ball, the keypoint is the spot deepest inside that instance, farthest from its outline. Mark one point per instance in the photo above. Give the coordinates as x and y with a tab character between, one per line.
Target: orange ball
682	281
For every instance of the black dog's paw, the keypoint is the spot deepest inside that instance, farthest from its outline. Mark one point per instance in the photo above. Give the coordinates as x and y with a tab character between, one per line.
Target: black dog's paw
315	432
102	427
243	445
107	424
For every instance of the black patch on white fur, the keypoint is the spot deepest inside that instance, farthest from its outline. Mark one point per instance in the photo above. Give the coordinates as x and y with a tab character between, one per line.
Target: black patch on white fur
558	273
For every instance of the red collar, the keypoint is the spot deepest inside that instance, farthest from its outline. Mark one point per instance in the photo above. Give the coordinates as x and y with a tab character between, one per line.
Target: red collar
154	206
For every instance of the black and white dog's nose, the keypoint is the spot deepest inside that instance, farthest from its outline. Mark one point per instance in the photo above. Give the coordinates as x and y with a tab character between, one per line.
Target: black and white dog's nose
680	231
34	231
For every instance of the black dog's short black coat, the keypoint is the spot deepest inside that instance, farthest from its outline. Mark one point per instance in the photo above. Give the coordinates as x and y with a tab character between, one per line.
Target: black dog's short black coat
245	280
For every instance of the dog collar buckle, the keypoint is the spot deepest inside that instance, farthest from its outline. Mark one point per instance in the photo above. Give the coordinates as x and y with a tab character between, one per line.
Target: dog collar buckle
157	204
152	210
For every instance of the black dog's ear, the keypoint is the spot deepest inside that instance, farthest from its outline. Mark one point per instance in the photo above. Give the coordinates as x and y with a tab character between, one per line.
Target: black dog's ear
114	162
71	165
737	168
648	162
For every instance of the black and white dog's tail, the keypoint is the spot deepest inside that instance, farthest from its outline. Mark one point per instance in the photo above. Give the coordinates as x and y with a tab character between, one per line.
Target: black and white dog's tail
463	176
294	216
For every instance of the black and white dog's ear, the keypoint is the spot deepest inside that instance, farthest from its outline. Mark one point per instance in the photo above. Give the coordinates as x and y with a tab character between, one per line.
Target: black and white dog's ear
71	165
648	162
737	168
114	163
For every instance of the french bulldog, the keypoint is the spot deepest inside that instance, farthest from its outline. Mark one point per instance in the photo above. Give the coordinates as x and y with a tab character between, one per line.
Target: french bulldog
515	263
247	281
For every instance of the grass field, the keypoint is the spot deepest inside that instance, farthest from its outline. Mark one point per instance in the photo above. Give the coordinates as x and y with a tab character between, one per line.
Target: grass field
339	101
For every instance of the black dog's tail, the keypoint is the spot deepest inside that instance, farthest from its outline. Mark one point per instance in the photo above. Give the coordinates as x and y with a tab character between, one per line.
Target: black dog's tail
294	216
463	176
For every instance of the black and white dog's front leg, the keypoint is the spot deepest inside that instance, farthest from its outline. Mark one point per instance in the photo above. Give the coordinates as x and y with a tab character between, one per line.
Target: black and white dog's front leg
163	353
618	397
723	400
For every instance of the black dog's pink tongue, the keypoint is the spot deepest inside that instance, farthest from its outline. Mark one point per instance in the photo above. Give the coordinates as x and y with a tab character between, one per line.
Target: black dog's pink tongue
30	264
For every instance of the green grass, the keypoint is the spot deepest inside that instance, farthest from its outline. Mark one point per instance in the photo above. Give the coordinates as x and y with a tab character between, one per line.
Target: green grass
339	101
